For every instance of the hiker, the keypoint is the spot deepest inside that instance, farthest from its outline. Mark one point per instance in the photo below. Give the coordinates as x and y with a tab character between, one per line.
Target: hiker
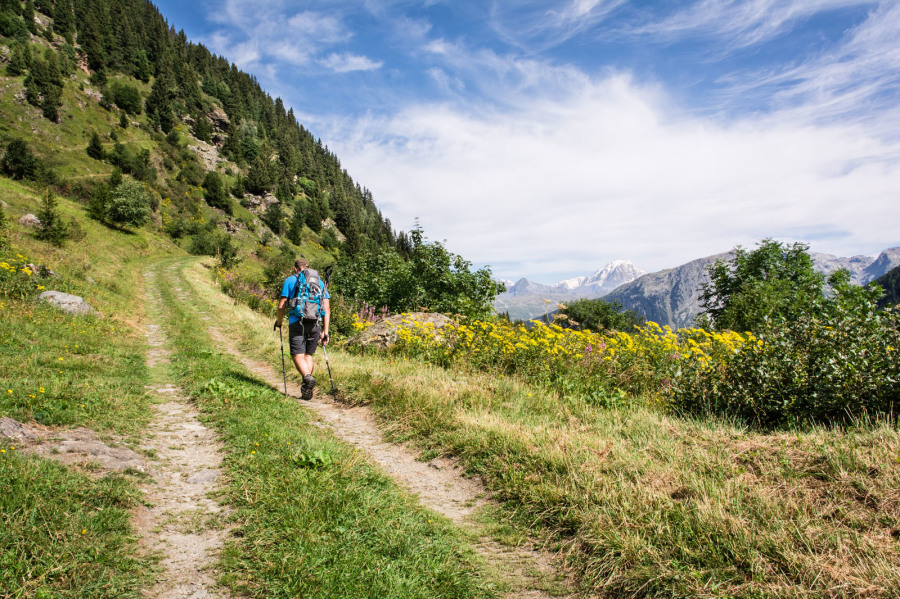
305	299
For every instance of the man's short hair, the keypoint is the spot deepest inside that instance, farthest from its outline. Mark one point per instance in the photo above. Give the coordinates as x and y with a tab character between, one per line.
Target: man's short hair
301	263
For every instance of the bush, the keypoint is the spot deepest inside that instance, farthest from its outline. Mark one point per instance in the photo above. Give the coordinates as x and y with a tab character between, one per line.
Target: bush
129	204
18	162
600	315
433	278
774	281
17	280
835	366
125	96
212	242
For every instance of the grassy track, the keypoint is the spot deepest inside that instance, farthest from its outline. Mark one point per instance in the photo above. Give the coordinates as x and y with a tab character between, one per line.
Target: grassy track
314	519
63	532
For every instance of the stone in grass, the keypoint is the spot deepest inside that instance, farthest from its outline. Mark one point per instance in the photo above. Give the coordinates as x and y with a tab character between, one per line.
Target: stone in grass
68	303
30	220
384	332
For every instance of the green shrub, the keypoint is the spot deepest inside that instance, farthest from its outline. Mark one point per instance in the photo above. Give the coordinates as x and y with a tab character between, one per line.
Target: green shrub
129	204
125	96
834	366
18	161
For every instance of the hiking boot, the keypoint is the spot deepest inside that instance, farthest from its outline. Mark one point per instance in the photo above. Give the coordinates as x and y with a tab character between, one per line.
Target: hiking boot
306	393
309	381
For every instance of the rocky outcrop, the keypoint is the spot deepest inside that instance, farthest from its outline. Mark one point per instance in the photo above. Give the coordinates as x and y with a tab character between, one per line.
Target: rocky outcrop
258	204
76	446
208	153
71	304
30	220
383	333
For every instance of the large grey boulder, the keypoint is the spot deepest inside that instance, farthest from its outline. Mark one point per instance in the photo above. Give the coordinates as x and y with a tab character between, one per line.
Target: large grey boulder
30	220
68	303
384	332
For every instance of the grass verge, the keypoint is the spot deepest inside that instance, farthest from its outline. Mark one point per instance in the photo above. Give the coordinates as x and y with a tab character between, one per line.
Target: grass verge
313	517
649	505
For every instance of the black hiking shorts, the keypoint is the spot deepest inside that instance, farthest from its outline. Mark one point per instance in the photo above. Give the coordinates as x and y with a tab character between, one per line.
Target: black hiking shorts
304	338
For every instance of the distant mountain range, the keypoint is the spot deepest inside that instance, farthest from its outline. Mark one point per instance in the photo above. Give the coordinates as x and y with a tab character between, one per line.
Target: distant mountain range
669	296
525	299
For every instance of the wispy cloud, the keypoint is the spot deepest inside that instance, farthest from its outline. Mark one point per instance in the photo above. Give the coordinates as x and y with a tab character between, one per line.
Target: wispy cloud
856	79
345	63
266	35
538	25
740	23
599	169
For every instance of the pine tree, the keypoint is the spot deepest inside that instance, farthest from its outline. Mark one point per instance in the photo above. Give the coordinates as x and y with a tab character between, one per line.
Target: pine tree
53	228
159	103
18	61
274	218
295	231
95	147
28	16
64	19
259	178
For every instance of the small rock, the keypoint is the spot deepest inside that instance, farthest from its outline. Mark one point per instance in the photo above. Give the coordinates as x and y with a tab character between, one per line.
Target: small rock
4	204
30	220
12	429
384	332
91	280
71	304
203	476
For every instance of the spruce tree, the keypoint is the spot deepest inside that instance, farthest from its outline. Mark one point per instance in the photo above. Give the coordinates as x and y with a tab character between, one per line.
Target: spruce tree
53	228
28	17
295	231
18	61
64	19
259	178
95	147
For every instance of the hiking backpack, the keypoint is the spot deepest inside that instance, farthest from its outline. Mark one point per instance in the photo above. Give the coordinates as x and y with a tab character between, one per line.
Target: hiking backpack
307	301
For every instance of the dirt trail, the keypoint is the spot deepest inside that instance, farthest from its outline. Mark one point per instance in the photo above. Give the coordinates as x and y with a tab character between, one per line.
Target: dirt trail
183	523
439	484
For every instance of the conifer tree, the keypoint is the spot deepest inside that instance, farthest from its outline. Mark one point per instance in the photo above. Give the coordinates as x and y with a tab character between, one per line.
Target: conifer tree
64	19
53	228
95	147
28	16
295	231
18	61
259	178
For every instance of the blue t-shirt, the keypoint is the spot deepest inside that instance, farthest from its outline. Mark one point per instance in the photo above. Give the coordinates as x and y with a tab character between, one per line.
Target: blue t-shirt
290	287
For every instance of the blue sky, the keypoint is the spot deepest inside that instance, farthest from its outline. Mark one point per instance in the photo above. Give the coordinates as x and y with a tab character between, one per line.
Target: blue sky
546	138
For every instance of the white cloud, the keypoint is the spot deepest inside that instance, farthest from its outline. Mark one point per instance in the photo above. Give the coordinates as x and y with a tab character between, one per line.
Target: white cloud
345	63
740	23
541	24
603	173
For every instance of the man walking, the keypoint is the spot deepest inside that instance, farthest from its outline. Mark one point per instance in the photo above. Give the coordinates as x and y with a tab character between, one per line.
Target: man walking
304	330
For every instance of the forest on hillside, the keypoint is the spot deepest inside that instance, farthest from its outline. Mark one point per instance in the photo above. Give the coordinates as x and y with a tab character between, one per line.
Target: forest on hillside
188	86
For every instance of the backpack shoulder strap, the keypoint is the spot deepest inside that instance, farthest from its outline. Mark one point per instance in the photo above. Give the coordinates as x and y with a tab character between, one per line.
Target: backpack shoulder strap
297	288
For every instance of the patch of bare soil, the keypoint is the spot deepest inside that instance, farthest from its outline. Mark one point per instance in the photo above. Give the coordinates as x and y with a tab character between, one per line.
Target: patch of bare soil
439	484
78	447
183	523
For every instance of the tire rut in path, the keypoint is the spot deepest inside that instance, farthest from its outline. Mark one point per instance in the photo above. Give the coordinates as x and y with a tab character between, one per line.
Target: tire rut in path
439	484
183	523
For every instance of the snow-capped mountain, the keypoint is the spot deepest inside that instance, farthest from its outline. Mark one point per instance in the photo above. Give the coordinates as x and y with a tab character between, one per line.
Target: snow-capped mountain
525	299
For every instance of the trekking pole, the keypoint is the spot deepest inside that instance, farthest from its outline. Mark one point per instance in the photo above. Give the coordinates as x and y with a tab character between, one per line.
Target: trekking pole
328	270
329	370
283	371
